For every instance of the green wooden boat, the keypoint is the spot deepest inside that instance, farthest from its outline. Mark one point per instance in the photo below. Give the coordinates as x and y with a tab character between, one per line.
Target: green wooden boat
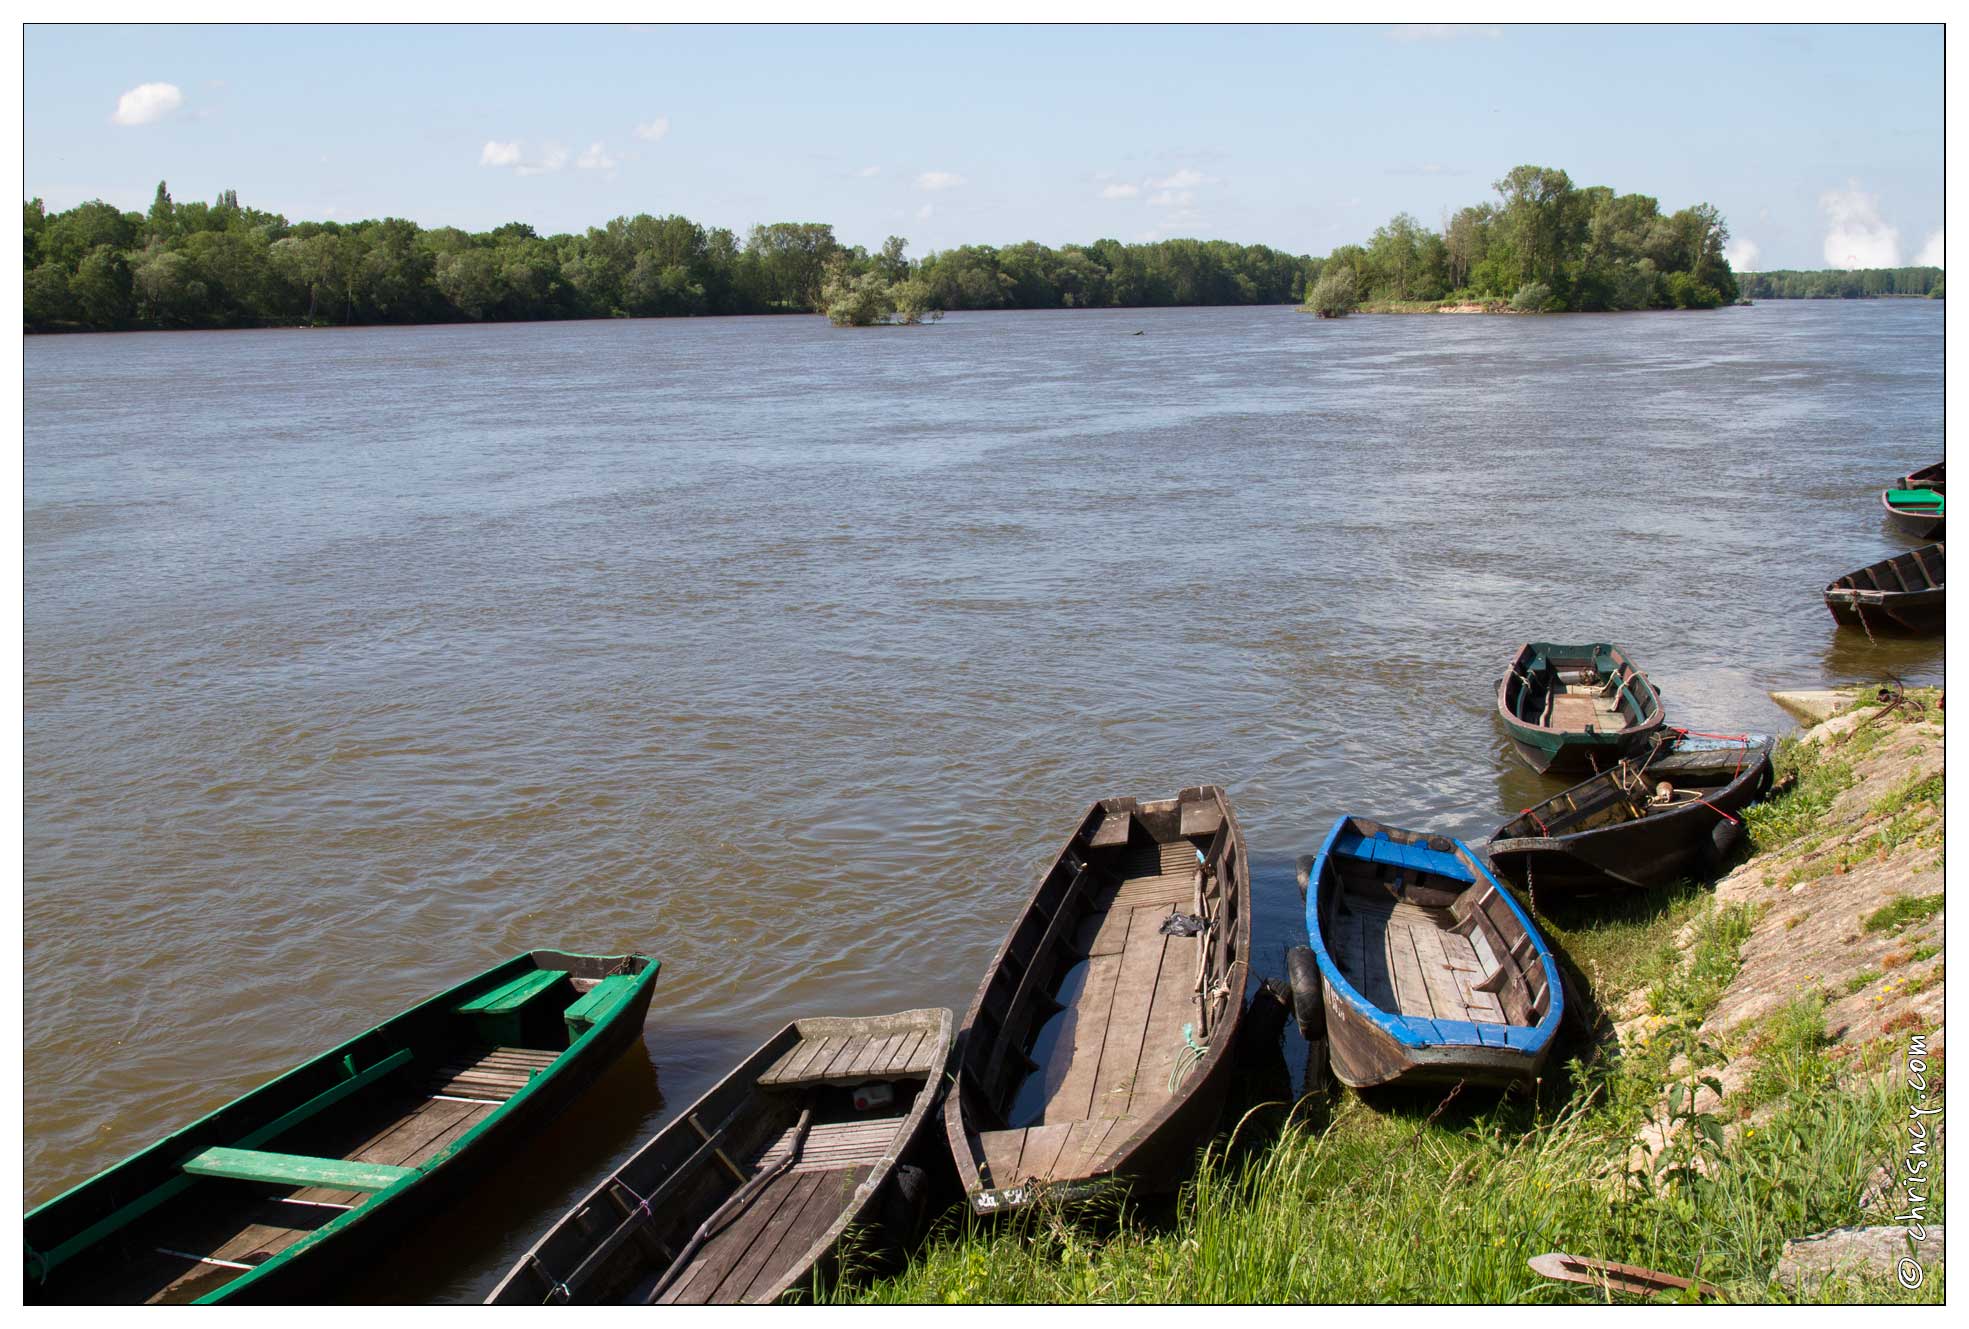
1920	511
276	1194
1576	709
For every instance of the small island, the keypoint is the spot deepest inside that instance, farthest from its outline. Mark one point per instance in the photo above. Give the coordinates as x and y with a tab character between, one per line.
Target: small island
1545	246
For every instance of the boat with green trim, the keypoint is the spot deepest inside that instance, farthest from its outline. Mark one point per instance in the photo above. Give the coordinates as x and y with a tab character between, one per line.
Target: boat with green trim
272	1196
1917	510
1577	709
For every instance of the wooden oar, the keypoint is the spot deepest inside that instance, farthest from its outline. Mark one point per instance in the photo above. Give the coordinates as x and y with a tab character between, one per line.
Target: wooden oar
1615	1277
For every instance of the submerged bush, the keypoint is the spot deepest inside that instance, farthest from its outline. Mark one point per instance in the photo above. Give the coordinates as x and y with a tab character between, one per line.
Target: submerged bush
1532	298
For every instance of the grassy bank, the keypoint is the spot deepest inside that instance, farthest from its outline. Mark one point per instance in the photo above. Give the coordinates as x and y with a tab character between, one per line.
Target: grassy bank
1337	1198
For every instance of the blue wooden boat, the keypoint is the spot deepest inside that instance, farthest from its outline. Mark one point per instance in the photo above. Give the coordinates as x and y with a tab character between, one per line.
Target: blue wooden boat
1430	973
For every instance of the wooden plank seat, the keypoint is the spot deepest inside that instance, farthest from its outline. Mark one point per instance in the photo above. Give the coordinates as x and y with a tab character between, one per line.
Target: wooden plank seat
596	1002
854	1059
841	1144
294	1169
510	997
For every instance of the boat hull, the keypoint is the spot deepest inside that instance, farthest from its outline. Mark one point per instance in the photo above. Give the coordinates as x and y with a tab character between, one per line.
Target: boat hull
1646	852
1905	594
1084	967
1564	728
318	1262
1411	1020
815	1184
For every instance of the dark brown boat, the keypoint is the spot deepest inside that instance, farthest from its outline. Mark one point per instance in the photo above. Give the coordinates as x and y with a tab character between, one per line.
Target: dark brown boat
1098	1049
1645	823
1902	594
758	1183
1928	477
1428	973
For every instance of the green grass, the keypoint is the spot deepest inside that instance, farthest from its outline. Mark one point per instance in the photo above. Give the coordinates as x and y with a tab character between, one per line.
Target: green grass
1811	776
1902	911
1357	1200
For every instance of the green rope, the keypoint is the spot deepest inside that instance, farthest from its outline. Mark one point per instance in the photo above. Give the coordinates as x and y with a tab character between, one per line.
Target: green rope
1189	1058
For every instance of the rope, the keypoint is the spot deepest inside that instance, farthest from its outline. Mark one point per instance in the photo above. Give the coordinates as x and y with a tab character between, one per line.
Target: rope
1188	1058
1535	820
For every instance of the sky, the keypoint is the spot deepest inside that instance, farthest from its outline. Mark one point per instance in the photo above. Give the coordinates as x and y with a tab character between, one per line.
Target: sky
1821	145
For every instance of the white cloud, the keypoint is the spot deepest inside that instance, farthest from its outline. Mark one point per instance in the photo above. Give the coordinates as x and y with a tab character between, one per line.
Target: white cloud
1931	252
923	213
1741	254
596	158
1121	191
652	130
1172	198
552	158
869	172
1856	235
1183	179
147	103
1442	32
939	180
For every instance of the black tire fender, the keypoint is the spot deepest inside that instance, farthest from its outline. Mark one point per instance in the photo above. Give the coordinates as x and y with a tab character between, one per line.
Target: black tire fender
1723	837
1302	970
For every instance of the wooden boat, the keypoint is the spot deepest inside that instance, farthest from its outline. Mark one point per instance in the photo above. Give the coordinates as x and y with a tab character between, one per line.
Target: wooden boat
1918	510
758	1182
1429	971
1899	594
1928	477
1646	822
1576	708
276	1194
1098	1050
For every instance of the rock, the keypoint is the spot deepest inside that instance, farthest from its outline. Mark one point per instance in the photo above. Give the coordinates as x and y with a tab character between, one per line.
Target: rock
1871	1251
1817	704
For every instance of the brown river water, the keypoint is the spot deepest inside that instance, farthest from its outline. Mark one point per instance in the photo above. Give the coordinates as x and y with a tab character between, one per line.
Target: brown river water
359	660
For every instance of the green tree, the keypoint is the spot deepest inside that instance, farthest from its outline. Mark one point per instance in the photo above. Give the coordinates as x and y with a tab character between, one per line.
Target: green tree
45	297
101	287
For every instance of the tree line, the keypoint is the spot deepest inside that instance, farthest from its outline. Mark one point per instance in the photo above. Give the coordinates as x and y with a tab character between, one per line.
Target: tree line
1840	284
226	265
1544	244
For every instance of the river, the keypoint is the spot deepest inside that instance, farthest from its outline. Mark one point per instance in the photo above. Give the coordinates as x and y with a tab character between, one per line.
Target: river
357	660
